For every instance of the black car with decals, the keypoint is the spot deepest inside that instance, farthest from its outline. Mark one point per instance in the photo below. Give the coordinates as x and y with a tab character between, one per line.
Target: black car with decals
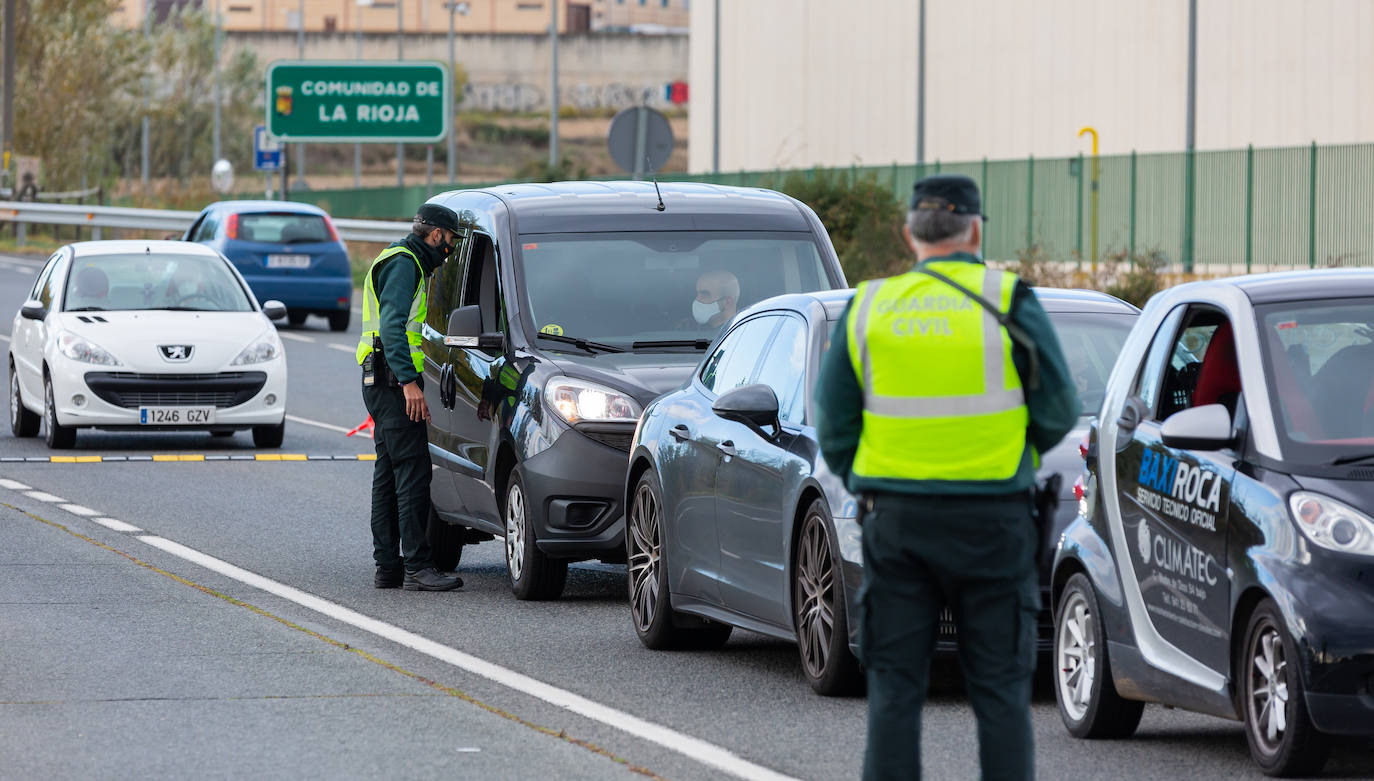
564	309
1223	556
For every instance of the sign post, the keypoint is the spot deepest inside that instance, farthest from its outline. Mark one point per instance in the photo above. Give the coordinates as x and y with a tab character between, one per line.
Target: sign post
382	102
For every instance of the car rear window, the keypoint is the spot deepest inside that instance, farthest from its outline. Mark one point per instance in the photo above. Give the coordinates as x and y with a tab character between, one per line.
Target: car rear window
283	228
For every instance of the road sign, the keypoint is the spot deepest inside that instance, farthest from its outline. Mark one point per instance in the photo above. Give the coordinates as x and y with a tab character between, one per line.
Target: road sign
266	150
640	137
323	101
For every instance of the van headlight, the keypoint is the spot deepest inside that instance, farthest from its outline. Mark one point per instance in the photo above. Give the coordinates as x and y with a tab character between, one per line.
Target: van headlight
262	349
1332	524
81	349
576	401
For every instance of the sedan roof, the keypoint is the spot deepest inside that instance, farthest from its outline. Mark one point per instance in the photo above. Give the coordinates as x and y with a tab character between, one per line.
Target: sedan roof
244	207
131	247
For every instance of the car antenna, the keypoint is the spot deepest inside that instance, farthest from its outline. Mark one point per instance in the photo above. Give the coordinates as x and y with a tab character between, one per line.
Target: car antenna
654	177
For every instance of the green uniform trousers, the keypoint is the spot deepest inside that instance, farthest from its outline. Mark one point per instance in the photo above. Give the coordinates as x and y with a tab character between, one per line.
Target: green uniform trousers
400	482
976	555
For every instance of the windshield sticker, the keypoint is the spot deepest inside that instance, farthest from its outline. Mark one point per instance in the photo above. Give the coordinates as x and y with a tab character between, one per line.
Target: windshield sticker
530	246
552	328
1286	325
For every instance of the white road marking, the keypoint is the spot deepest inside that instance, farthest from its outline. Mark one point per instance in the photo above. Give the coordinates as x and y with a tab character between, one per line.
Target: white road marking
13	485
694	748
76	509
118	526
330	426
42	497
344	348
5	337
295	337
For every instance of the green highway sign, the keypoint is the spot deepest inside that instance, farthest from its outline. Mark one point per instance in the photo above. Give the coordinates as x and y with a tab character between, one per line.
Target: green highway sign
322	101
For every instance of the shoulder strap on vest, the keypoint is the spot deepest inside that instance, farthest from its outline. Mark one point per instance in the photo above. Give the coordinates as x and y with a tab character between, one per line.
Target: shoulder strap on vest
391	253
1003	318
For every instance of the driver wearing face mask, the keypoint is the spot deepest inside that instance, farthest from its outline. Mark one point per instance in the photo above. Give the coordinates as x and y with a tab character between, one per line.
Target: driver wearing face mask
717	299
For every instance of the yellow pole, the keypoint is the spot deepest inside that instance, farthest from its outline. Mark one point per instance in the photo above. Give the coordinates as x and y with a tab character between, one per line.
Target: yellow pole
1093	243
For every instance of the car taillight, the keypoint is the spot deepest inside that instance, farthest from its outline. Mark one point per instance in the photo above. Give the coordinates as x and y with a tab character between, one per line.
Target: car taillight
1084	446
333	233
1078	488
231	227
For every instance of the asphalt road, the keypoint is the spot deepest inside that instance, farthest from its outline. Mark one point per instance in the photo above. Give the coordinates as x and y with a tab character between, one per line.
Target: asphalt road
224	624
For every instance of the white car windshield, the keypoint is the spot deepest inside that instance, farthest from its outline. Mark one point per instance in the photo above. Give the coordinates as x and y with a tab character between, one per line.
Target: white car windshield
198	283
625	289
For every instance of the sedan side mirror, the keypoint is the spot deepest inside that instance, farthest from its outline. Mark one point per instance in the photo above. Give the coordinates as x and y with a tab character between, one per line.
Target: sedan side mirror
465	330
275	310
33	311
753	405
1201	428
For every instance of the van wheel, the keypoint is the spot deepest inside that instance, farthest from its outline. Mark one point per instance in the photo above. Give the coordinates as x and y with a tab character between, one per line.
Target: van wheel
532	574
445	542
1282	740
23	422
57	437
656	623
1087	698
819	612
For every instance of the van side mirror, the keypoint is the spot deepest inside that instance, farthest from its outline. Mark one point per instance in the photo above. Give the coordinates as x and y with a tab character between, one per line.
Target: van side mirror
33	310
465	330
1201	428
753	405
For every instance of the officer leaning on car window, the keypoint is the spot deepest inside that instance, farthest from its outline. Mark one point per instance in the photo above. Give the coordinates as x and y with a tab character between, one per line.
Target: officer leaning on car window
934	411
389	353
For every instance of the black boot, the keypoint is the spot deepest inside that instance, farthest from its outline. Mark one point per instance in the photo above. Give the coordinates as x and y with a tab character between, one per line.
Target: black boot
388	578
430	579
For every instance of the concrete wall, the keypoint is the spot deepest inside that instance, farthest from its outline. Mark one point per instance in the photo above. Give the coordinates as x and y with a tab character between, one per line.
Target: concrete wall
833	82
511	72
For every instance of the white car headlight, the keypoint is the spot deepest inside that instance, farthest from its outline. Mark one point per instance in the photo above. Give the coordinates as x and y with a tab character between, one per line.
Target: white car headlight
576	401
262	349
80	349
1332	524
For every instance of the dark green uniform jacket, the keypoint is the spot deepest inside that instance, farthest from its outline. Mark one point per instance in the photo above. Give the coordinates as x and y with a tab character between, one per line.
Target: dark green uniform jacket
395	286
1053	406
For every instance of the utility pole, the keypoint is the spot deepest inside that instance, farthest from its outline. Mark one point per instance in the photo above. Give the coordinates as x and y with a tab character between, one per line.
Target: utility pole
921	85
8	77
147	86
357	147
715	96
462	8
400	55
1190	140
300	55
217	98
553	92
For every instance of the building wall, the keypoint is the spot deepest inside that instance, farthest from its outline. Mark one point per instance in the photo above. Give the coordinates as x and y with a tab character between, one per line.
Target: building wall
511	72
1008	78
484	16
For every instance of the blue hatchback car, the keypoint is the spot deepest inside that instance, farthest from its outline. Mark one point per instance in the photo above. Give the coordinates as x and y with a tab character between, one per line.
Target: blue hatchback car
286	251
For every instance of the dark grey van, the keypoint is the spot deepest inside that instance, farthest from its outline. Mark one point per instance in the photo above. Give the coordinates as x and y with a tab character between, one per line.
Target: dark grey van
564	310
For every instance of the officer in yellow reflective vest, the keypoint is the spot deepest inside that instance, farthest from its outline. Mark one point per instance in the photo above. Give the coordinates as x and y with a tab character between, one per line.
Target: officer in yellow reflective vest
394	301
933	409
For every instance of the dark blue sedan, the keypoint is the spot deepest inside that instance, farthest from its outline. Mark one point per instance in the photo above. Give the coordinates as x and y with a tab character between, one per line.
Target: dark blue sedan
289	252
735	521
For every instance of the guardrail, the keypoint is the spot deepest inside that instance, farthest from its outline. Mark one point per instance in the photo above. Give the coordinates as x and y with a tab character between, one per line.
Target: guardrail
166	220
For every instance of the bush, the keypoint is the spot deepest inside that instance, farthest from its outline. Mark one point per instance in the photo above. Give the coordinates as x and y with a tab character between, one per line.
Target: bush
1144	279
863	218
541	171
490	132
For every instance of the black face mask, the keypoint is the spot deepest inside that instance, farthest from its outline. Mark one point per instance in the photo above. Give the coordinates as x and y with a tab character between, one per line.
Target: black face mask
444	249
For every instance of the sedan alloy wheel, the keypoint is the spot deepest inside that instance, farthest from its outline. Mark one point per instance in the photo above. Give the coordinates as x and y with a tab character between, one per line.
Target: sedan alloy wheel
818	610
645	557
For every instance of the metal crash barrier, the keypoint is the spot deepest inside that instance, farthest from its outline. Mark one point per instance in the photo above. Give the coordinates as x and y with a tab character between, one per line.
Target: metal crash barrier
165	220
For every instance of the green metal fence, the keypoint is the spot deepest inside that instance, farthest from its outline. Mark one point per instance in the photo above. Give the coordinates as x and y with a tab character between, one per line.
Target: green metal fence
1252	209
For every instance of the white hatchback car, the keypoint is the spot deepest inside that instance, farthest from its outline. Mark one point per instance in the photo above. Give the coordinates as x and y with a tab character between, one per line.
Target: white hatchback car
140	335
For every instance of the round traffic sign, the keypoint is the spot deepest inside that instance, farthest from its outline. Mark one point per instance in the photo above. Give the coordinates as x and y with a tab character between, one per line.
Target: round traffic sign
640	139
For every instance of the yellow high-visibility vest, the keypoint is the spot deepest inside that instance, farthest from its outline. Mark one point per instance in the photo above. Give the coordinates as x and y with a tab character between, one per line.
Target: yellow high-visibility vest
942	398
415	322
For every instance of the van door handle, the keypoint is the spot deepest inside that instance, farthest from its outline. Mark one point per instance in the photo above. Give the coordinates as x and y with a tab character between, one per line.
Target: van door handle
728	448
680	432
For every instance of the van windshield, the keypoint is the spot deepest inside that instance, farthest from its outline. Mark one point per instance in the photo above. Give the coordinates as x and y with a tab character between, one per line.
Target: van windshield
678	286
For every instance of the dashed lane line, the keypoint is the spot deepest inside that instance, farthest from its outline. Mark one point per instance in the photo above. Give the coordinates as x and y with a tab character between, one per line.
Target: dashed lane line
167	458
343	348
114	525
4	337
13	485
693	748
295	337
84	512
42	497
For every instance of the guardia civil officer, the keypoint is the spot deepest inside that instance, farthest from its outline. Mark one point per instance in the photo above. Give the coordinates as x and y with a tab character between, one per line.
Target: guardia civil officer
394	301
934	411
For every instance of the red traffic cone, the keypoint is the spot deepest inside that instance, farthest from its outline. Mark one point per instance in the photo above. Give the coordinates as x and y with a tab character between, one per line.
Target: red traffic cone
362	428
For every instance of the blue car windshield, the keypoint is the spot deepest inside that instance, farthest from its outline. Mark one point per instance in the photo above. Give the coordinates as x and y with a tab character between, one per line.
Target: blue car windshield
200	283
674	286
1320	369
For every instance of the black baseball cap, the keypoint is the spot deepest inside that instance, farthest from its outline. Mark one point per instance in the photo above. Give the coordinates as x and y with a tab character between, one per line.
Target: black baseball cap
947	192
438	216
